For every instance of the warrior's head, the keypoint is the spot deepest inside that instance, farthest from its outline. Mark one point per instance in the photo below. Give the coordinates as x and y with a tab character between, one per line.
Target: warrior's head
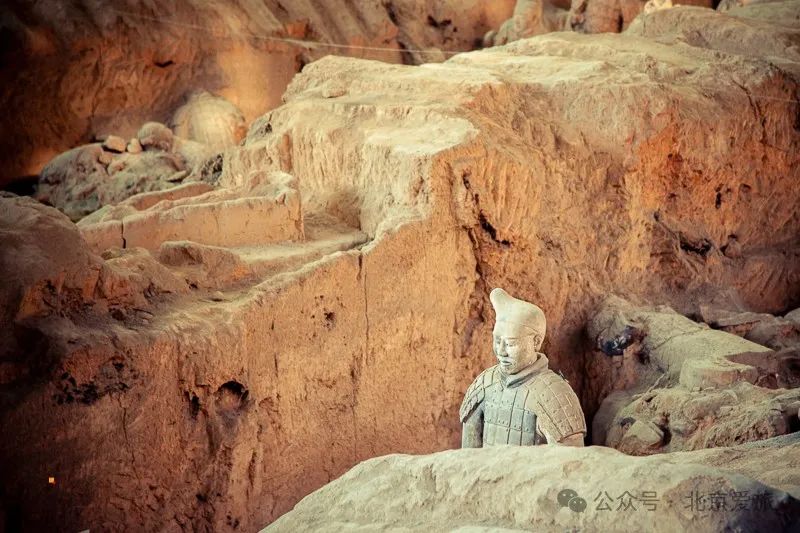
518	331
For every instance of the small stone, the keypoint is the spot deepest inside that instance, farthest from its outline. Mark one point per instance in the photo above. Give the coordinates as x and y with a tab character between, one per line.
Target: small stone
793	316
155	136
113	143
134	146
105	157
642	435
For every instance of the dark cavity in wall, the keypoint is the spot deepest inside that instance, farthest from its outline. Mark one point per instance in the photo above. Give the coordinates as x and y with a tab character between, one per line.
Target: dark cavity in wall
700	247
390	12
23	185
488	228
439	24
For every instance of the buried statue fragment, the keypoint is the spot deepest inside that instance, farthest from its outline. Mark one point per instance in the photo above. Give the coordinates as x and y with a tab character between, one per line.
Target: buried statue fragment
520	401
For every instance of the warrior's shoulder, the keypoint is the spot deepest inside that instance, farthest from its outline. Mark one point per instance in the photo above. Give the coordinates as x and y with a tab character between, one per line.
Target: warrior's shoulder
556	405
477	391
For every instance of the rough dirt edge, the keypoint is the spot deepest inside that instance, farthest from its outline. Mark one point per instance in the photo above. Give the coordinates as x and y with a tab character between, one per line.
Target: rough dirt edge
673	384
556	167
517	488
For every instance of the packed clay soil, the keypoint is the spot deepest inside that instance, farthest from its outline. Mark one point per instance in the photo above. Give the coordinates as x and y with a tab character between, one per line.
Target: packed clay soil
321	298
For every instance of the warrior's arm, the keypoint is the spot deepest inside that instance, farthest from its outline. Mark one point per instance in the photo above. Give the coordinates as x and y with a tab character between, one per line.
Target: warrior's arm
471	412
472	429
575	439
558	412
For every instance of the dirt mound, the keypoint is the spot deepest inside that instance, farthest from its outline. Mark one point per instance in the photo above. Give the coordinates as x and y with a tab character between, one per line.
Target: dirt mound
84	179
555	488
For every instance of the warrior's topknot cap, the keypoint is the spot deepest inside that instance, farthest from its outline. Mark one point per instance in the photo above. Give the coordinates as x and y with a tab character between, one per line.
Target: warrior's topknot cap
517	318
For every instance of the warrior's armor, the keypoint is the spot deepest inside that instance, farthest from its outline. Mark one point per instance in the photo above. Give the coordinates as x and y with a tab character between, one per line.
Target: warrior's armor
537	408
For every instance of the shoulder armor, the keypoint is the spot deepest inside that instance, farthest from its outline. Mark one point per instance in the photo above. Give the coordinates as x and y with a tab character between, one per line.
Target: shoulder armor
477	392
556	405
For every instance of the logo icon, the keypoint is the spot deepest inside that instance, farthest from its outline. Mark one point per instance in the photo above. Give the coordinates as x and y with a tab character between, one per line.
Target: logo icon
569	498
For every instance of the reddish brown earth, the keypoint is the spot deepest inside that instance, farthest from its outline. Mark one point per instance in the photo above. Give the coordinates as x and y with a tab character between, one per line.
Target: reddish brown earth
199	384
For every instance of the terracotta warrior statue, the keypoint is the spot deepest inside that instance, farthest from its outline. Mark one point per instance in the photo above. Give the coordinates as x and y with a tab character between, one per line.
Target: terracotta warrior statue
519	400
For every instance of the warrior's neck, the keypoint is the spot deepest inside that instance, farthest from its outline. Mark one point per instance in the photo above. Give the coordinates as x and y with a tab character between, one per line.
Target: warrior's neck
518	378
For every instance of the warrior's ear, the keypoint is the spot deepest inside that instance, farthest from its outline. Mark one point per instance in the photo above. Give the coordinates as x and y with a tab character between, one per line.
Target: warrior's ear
537	341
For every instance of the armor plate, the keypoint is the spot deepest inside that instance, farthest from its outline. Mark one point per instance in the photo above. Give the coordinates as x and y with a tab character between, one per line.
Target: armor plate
542	409
507	418
477	391
557	406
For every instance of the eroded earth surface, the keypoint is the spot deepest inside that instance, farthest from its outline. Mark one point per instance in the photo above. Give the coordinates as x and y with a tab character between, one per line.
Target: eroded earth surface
202	355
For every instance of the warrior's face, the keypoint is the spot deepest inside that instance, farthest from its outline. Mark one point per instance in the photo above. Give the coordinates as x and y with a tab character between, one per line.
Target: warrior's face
514	352
518	331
